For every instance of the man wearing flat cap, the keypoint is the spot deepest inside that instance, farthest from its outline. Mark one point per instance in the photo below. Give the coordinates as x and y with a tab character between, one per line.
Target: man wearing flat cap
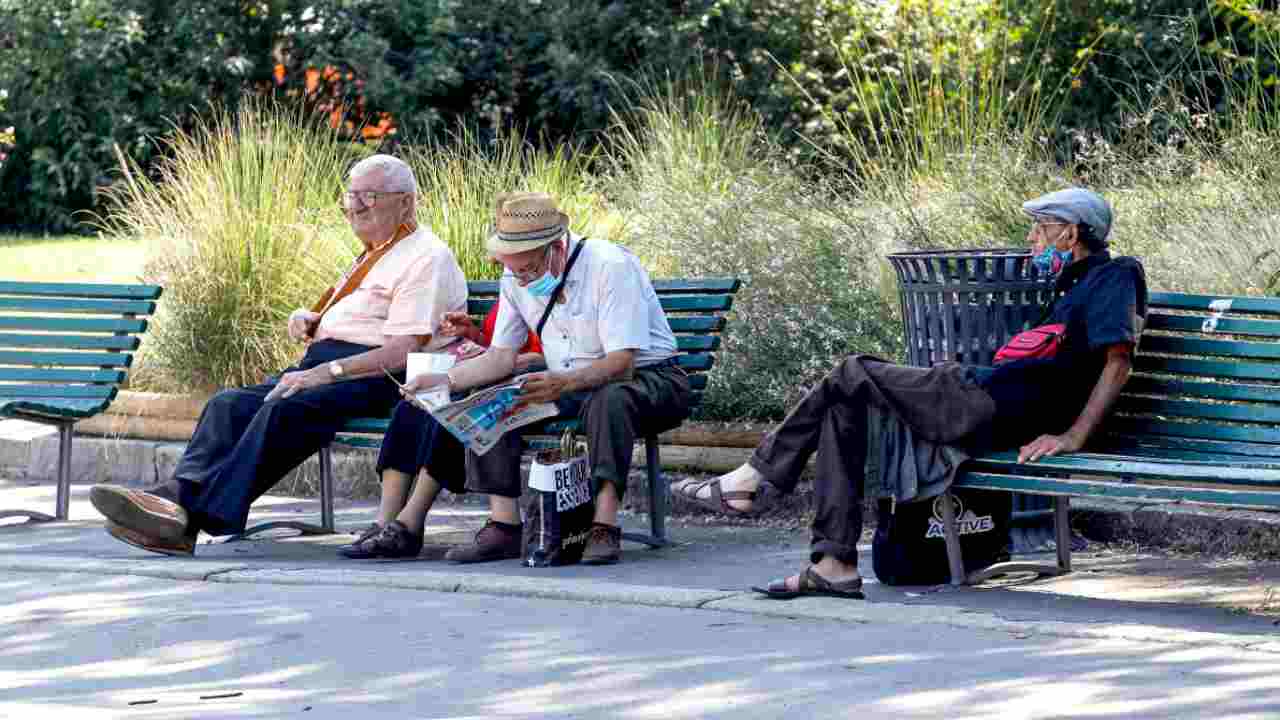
610	355
920	424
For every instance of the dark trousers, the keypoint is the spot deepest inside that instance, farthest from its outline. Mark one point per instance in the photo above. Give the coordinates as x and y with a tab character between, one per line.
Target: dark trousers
243	446
655	399
941	403
415	441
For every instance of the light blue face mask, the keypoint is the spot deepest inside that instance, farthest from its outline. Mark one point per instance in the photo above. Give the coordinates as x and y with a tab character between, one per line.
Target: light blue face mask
543	286
1051	261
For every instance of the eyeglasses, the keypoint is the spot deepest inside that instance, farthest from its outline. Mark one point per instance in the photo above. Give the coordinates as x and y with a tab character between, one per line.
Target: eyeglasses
367	198
532	270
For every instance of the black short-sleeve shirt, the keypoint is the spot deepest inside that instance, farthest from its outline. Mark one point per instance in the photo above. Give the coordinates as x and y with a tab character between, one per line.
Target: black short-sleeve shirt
1102	302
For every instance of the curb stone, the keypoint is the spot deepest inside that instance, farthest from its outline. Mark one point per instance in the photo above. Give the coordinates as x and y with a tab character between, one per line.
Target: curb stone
595	591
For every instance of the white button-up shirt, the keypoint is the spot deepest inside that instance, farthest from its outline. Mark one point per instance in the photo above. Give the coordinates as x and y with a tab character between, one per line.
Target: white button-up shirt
609	305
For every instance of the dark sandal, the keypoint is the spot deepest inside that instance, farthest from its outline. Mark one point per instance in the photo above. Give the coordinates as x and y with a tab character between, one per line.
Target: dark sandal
718	500
813	585
395	541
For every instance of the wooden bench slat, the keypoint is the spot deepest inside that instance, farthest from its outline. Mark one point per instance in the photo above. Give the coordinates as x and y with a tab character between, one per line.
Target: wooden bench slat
1184	301
696	361
67	359
1201	430
1142	384
69	408
1217	348
72	324
1227	369
1188	448
84	290
70	342
691	343
1116	490
696	303
61	375
1220	326
1200	410
56	391
94	307
1122	466
696	324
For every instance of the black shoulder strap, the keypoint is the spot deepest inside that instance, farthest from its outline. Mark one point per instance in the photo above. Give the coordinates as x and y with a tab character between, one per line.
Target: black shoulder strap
555	294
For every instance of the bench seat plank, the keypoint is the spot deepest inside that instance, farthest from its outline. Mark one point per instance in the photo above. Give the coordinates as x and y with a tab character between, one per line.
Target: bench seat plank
28	390
1123	466
76	305
53	407
69	342
1261	499
65	359
72	324
44	374
86	290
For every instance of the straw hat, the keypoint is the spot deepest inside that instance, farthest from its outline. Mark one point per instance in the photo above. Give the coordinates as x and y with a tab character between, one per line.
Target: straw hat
526	221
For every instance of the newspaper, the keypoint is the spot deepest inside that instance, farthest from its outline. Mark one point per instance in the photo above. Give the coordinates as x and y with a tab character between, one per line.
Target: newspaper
481	418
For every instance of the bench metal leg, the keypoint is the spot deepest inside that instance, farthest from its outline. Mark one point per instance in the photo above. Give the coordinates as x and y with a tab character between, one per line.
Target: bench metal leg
326	526
951	533
657	499
63	510
62	501
1062	537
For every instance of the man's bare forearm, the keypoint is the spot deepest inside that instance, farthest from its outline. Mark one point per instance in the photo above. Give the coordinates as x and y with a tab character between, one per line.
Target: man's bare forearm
494	364
615	366
1105	392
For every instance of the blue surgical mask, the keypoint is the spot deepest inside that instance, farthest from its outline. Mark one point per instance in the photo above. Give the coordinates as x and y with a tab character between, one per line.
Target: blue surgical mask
1051	261
543	286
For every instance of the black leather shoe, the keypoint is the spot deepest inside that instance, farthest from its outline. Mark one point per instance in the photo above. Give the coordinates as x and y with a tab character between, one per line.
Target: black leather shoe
361	536
393	541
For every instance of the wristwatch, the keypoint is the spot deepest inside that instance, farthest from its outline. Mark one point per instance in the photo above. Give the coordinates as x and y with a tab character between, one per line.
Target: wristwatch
335	369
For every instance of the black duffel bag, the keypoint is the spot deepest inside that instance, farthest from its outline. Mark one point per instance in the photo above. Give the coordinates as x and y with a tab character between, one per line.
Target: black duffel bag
910	547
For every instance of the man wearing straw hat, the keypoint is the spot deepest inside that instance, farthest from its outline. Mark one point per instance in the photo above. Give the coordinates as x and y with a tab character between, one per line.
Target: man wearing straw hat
388	304
610	355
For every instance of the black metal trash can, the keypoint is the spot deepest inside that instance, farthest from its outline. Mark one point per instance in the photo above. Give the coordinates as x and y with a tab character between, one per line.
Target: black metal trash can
964	305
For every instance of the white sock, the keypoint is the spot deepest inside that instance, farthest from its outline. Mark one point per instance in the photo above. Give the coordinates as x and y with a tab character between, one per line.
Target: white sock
743	477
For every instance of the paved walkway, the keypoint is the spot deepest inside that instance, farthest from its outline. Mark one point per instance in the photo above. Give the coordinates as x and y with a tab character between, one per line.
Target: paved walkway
1114	595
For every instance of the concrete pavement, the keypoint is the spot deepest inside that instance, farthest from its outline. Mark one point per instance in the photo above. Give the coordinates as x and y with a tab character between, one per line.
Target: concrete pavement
97	646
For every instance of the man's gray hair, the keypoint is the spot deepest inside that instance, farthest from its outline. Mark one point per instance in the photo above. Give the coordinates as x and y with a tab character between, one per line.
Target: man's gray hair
397	176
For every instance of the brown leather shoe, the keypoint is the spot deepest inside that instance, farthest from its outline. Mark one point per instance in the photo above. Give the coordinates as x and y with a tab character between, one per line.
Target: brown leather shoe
184	546
144	513
494	542
604	545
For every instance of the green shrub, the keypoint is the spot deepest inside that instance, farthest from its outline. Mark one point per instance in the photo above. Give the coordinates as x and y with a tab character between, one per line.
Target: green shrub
706	193
242	227
460	178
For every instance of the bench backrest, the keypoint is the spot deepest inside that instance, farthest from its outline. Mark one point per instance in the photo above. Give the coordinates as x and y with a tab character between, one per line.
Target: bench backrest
70	341
1206	378
695	309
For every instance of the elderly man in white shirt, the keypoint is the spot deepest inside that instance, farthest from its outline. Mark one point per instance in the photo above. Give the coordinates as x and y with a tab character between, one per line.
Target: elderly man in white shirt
610	356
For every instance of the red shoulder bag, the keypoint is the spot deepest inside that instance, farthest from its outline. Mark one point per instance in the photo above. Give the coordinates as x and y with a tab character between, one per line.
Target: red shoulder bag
1039	342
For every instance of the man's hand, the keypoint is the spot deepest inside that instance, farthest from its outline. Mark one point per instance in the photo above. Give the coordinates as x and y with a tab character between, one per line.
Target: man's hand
1048	446
291	383
301	323
459	324
543	387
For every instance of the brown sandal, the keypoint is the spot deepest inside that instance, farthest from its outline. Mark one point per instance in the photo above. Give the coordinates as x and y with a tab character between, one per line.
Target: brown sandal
718	500
814	585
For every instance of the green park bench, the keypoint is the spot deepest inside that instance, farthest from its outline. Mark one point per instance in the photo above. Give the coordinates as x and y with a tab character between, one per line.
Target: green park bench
1198	422
695	309
64	350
